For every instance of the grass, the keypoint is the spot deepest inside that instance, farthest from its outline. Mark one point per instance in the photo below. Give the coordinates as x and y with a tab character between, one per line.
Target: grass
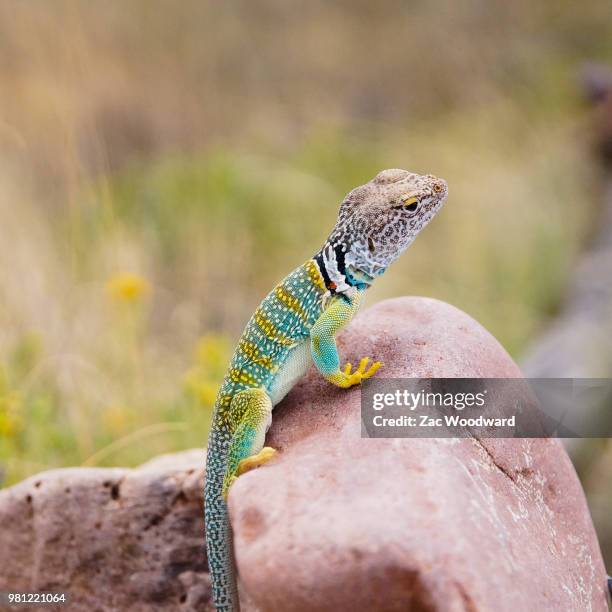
119	355
164	164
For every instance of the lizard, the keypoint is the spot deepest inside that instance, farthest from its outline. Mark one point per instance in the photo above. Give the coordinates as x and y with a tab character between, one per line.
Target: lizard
297	322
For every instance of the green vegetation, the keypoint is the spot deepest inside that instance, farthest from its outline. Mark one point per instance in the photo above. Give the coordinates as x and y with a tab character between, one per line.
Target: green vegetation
163	167
171	257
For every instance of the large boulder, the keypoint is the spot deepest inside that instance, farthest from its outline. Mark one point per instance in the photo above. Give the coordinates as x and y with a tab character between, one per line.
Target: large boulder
336	522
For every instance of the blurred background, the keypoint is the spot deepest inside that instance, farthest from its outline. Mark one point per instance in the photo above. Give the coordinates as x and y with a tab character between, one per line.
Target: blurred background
163	164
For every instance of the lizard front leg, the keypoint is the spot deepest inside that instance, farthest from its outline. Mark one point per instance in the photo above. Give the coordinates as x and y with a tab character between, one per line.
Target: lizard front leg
253	408
323	343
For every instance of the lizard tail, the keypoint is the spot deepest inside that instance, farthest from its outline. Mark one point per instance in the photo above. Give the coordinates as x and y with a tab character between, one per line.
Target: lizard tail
219	549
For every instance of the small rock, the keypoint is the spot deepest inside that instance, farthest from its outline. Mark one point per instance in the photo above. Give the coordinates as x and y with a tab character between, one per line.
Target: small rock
112	539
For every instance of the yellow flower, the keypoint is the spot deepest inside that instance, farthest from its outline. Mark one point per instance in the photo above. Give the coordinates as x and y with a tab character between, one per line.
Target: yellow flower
127	287
212	351
204	390
203	379
115	419
10	421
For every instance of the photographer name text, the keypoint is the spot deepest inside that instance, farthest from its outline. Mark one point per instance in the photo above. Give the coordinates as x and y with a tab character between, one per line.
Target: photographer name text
413	401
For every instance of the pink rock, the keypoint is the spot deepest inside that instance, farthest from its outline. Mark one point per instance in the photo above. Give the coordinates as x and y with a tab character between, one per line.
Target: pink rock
338	522
112	539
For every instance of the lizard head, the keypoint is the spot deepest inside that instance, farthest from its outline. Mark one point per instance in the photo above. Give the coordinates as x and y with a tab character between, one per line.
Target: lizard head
378	221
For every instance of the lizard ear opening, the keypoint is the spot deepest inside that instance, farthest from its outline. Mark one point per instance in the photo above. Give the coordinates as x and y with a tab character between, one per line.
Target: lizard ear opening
411	203
371	246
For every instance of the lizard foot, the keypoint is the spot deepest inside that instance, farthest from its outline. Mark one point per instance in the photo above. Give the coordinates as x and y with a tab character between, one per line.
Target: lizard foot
246	465
361	373
261	458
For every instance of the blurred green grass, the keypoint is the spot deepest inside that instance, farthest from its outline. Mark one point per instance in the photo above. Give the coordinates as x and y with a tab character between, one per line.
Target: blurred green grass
182	249
163	166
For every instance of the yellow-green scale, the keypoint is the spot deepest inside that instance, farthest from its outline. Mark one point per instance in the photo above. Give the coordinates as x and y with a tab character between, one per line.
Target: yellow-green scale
273	352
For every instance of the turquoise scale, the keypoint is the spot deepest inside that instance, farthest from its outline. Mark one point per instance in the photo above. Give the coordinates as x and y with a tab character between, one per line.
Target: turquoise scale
273	331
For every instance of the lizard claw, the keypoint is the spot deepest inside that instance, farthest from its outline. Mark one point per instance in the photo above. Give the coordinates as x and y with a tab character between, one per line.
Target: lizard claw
361	373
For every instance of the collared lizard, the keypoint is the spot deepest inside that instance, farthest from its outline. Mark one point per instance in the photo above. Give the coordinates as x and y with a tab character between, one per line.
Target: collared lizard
298	320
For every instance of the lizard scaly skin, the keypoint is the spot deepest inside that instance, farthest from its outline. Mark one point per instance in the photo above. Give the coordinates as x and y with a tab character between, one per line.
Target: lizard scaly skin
297	321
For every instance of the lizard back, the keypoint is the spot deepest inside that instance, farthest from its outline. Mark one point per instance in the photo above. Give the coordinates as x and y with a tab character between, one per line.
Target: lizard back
281	322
